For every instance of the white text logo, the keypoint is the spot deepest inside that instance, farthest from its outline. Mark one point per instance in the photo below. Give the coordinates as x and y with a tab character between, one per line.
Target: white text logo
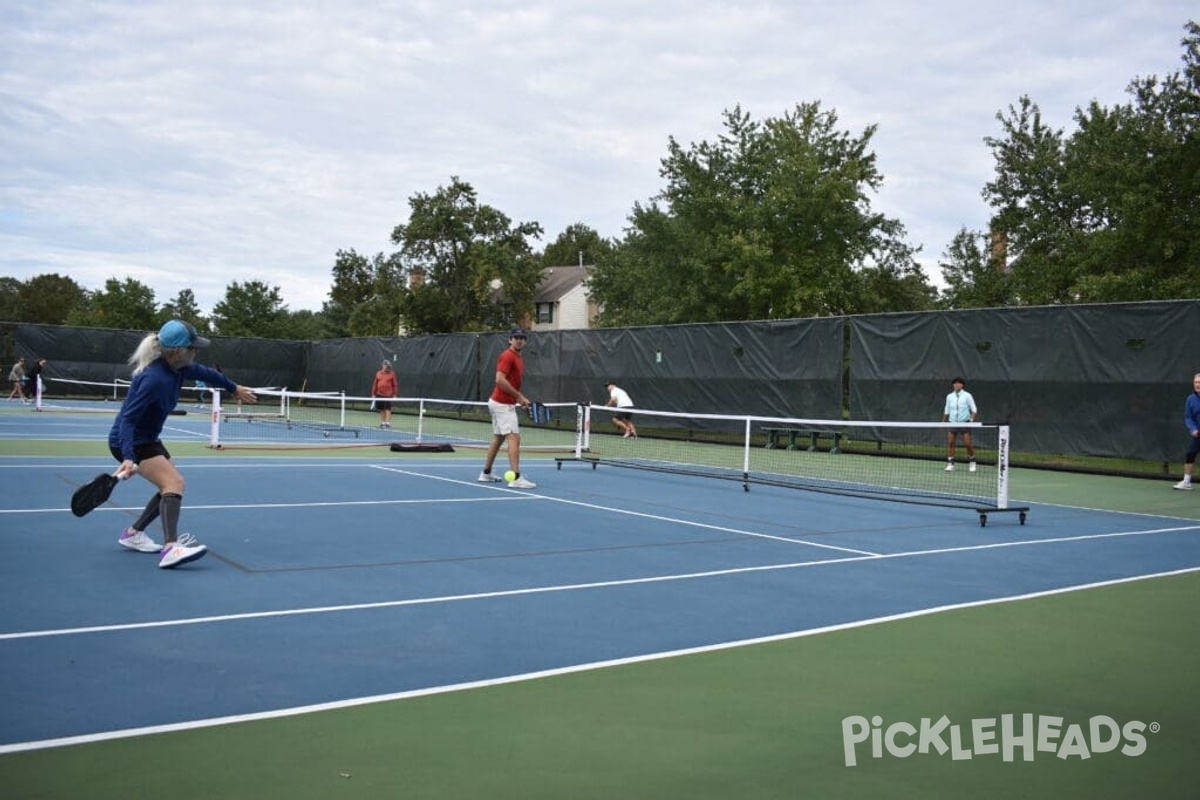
1027	734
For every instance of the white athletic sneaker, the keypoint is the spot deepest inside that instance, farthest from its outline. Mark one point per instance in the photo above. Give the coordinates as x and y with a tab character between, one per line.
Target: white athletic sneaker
487	477
139	541
1183	485
971	467
522	483
950	466
185	550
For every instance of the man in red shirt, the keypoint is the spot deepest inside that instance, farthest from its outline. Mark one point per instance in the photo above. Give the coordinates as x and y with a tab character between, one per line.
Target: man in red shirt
383	389
502	405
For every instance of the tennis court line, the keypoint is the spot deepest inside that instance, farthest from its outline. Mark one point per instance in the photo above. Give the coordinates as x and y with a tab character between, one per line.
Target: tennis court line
335	705
642	514
313	504
571	587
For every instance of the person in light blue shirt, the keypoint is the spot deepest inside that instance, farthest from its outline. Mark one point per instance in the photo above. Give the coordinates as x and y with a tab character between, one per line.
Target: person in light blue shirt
1191	419
960	407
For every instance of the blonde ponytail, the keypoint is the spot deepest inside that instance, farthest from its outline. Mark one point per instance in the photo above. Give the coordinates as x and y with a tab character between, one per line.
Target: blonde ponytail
145	354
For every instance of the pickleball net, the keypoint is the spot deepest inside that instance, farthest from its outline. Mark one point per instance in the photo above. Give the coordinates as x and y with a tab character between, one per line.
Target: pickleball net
896	461
286	418
102	397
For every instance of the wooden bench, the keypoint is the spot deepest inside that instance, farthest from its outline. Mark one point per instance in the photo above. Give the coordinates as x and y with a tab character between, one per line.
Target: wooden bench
775	438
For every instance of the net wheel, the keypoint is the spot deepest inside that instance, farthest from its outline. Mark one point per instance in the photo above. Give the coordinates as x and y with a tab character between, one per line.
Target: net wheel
983	520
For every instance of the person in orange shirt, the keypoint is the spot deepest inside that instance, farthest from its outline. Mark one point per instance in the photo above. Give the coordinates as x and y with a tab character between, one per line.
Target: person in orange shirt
386	385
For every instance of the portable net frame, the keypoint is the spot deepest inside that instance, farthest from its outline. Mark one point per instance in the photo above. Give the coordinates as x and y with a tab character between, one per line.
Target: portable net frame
286	418
101	397
896	461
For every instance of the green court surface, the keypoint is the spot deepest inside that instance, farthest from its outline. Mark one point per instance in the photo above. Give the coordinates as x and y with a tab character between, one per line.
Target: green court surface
757	721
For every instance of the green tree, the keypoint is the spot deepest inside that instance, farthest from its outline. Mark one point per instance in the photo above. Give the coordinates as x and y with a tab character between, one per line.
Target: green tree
368	296
49	299
127	305
466	253
250	309
185	307
304	325
1110	212
577	244
10	293
353	284
974	279
771	220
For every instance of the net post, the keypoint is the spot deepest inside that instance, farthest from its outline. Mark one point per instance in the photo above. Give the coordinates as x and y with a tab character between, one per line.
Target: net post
214	430
1002	443
420	420
579	414
587	429
342	414
746	457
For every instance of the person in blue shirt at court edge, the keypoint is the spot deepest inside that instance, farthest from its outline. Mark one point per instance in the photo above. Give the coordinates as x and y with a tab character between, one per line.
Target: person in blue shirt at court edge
161	363
960	407
1191	418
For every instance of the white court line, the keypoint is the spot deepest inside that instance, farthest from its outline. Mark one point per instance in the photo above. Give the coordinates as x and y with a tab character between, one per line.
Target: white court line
313	504
643	515
570	587
550	673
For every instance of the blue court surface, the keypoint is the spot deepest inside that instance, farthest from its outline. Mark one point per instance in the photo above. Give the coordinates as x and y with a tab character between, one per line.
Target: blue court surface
337	580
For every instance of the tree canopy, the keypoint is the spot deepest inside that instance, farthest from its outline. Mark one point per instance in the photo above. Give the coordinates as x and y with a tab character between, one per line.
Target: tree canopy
773	219
1109	212
577	244
465	252
127	304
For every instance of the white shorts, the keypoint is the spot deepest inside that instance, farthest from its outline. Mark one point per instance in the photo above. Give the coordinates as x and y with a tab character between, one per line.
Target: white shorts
504	418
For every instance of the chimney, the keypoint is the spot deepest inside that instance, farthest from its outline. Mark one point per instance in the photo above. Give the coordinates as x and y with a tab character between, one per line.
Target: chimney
998	249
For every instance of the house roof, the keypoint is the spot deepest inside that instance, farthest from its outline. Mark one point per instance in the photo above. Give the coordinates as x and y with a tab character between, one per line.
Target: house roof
558	281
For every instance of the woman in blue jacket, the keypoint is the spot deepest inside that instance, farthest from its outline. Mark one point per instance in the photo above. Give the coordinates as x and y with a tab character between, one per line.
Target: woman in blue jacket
161	364
1191	418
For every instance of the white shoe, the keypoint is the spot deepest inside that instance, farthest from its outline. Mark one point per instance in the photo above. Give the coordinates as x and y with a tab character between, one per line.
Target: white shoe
627	435
522	483
1185	486
186	550
487	477
139	541
971	467
950	467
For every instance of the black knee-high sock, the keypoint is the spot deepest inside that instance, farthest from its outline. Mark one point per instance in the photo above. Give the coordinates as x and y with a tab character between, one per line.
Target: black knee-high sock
169	508
149	513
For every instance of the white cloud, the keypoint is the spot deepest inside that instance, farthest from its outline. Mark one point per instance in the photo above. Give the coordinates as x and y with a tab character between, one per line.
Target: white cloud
190	146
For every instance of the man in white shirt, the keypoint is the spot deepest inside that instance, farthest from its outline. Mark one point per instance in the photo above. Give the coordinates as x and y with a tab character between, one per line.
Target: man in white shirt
622	419
960	407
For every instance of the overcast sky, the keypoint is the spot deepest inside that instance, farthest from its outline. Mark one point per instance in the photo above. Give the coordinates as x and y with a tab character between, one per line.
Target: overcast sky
192	144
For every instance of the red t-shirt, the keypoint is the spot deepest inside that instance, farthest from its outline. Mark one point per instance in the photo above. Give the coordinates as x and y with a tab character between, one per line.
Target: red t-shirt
385	384
512	365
